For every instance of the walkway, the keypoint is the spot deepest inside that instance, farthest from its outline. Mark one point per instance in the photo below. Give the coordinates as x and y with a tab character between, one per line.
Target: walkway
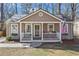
2	39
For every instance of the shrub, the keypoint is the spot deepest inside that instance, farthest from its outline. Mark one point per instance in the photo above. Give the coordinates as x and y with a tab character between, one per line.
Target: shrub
54	31
8	39
14	34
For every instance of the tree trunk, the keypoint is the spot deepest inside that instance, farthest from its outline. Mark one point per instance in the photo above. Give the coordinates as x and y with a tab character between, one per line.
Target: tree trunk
73	15
16	8
73	9
2	17
59	9
40	6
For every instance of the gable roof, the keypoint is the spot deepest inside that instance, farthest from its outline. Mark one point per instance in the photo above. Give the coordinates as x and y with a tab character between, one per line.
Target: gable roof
39	11
15	18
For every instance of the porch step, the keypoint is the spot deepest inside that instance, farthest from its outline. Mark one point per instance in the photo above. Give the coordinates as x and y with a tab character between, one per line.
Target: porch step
36	38
33	44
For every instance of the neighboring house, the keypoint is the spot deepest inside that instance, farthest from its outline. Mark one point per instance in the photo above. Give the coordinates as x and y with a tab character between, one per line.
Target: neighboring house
39	26
76	27
2	26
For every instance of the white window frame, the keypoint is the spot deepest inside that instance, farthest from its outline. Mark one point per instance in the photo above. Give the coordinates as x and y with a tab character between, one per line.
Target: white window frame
12	29
26	28
67	28
49	25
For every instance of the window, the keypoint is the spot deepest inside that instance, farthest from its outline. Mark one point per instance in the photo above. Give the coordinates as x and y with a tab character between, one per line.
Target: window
50	27
27	28
64	28
14	28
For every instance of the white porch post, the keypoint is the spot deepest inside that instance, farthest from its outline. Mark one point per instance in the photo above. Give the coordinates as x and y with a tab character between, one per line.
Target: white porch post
31	32
60	33
42	31
20	32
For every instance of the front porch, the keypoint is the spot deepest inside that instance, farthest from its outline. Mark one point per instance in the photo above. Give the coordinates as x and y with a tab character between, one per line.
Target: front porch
40	32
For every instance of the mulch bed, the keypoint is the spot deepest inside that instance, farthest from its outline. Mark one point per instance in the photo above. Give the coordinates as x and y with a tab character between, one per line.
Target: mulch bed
66	44
70	42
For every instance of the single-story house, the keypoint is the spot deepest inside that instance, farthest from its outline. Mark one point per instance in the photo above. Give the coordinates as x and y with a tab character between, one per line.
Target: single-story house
39	26
76	27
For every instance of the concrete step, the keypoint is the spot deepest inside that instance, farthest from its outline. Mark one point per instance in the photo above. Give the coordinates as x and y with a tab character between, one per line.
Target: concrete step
35	44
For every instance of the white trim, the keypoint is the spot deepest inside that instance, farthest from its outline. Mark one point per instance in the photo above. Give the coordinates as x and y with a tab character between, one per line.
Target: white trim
37	40
41	41
67	28
50	33
60	33
9	30
12	28
39	22
37	12
26	27
39	29
20	32
49	25
42	31
31	32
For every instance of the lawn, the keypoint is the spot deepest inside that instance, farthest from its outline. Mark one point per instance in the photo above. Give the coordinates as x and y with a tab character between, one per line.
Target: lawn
42	51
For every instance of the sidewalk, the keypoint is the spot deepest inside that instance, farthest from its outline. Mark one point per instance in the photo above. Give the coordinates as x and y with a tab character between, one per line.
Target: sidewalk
2	39
12	45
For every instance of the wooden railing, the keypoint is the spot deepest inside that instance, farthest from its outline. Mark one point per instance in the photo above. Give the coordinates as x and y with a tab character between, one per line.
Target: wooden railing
50	36
26	36
46	36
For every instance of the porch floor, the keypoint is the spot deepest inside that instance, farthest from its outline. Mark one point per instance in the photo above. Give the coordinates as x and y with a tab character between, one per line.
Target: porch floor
69	42
66	42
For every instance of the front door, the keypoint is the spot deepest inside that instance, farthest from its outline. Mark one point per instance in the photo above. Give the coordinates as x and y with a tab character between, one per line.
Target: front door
36	30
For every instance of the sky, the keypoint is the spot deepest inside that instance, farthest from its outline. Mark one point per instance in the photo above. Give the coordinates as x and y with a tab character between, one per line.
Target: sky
34	6
45	5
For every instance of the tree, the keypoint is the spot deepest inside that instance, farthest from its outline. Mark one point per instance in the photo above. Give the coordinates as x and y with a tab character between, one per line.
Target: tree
9	9
59	9
2	13
2	17
40	6
25	8
73	11
16	8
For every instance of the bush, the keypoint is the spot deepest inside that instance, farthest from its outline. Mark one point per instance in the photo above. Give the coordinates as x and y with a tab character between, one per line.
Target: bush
53	31
14	34
8	39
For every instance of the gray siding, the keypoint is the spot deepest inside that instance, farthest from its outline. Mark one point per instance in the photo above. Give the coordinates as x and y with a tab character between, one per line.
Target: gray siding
69	35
